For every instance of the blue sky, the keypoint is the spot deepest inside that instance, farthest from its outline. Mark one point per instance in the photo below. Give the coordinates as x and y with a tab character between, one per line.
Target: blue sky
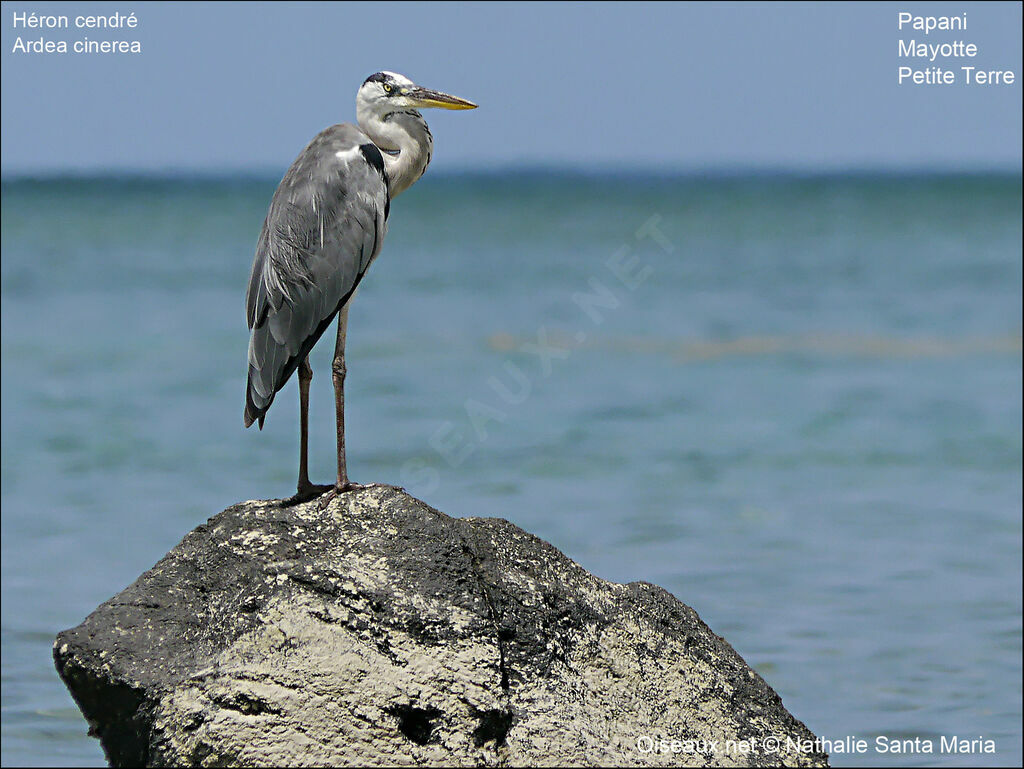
243	86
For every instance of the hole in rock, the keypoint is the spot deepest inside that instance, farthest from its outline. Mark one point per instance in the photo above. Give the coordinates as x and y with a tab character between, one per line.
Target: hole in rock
415	723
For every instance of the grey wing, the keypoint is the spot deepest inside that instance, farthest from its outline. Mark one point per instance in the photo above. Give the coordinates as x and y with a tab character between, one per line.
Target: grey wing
325	226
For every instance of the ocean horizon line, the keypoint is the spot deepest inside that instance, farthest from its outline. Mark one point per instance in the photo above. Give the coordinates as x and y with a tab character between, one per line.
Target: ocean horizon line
534	171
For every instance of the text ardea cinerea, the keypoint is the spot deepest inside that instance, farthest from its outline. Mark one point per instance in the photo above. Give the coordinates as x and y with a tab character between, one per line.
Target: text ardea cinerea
325	226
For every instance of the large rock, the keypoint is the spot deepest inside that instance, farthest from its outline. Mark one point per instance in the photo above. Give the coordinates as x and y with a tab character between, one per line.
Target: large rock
379	631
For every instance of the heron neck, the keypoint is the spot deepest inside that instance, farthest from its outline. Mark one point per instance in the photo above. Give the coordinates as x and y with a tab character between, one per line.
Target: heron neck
406	134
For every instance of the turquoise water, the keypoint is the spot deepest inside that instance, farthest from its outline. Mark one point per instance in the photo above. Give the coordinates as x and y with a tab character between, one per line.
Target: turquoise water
802	416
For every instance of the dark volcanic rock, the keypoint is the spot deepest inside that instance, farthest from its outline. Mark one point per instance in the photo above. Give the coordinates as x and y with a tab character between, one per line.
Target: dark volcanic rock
379	631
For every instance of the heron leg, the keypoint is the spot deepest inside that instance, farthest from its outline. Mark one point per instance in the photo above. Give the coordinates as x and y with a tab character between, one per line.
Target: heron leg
306	490
338	370
305	375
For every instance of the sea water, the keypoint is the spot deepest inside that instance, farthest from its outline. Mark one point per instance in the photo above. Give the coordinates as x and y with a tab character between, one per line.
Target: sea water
793	401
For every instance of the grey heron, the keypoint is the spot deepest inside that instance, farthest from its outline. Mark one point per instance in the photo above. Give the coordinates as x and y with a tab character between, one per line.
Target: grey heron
323	230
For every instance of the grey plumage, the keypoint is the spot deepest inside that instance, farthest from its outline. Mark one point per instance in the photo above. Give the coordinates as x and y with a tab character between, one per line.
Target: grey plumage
325	226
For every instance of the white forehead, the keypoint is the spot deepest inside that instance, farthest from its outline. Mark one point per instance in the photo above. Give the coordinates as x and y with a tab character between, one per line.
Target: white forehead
402	79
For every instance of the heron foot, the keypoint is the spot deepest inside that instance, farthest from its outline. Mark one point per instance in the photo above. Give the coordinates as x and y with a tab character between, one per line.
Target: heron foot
338	489
307	492
349	486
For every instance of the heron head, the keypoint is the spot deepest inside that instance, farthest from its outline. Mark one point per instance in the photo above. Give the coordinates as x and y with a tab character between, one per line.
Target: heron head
386	92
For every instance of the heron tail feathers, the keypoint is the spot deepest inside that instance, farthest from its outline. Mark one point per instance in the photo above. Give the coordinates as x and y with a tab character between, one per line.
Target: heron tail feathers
254	413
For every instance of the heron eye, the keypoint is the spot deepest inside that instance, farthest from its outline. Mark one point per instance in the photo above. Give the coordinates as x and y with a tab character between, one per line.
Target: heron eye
388	88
